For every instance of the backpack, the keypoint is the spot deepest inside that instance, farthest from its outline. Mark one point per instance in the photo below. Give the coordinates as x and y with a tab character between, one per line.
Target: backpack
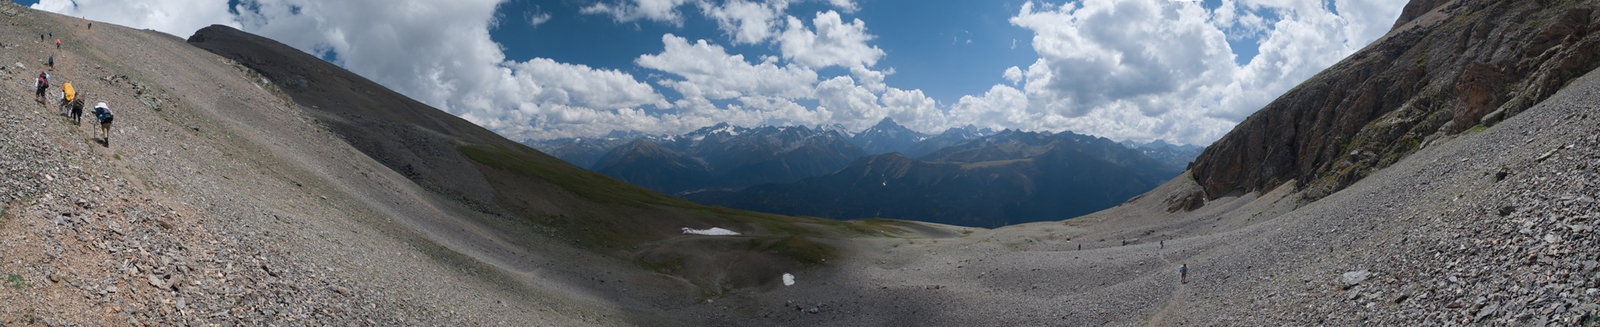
102	113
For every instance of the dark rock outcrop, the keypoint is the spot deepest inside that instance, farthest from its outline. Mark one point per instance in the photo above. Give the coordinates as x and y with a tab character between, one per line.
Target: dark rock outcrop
1485	61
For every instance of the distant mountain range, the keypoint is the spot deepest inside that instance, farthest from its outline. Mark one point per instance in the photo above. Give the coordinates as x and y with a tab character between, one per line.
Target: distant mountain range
1007	178
1175	157
730	157
977	177
725	157
584	152
950	137
887	136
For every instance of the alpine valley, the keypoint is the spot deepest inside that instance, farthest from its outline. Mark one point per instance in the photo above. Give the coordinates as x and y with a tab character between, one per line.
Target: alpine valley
1443	175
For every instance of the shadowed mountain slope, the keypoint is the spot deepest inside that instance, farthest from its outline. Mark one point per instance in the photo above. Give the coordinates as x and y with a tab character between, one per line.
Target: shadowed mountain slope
526	192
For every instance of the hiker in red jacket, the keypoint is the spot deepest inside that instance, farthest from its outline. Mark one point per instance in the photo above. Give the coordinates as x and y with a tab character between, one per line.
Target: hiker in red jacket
44	82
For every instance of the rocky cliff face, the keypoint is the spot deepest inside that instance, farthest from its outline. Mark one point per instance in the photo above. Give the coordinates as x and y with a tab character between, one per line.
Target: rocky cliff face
1448	67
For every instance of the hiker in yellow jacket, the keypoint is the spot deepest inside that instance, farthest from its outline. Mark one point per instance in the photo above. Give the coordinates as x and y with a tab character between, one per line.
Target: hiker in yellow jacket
75	101
67	94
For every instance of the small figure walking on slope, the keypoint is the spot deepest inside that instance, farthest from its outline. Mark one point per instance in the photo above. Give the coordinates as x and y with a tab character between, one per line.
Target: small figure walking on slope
1183	274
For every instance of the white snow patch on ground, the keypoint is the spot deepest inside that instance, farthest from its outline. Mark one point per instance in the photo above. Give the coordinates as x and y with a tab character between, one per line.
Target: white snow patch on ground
712	231
788	280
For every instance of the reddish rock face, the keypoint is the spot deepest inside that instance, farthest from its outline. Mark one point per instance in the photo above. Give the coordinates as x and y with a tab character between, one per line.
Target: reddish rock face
1480	89
1485	61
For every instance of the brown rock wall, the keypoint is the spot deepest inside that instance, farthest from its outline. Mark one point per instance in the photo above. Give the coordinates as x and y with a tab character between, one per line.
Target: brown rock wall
1487	61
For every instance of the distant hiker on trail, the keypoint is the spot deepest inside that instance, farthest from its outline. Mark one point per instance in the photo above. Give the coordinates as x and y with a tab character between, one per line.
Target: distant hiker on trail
1183	274
51	62
58	43
1163	244
103	113
44	83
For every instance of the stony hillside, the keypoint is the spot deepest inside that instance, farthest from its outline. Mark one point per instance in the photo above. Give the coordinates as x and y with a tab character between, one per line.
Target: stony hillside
1447	67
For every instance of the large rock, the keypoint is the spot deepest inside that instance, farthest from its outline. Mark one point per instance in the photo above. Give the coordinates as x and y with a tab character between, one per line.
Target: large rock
1351	279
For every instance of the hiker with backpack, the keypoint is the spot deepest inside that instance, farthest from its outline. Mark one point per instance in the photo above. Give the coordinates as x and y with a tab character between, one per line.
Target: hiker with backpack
43	83
67	94
103	113
77	111
75	101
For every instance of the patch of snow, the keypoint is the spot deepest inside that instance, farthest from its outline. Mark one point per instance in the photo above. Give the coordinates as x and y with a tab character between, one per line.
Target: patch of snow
713	231
726	129
788	280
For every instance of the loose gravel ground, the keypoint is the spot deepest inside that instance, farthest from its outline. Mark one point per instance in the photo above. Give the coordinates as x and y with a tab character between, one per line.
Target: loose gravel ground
1496	227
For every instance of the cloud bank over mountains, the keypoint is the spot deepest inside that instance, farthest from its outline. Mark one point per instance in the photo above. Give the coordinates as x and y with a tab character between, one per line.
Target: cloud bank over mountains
1130	69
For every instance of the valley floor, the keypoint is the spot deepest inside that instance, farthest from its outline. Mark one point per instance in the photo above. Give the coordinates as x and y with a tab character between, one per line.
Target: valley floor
1496	227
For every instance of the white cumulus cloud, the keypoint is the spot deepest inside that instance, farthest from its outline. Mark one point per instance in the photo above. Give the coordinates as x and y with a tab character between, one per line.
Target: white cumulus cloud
1124	69
631	10
834	42
747	22
1158	69
176	17
708	71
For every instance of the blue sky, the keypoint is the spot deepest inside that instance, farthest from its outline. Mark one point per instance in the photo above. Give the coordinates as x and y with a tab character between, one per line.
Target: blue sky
1180	71
946	50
